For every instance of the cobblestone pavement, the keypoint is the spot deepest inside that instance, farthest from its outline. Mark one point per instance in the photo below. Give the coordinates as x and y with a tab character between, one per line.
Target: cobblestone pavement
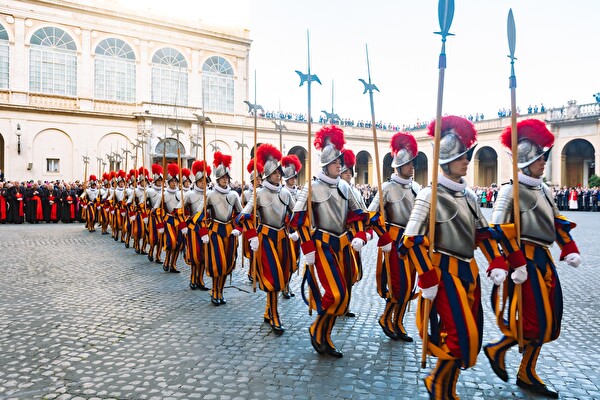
82	317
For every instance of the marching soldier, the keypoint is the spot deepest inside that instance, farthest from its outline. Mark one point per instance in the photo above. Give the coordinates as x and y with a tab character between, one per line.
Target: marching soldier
175	225
450	278
223	205
198	234
531	264
328	246
398	199
291	165
155	221
356	262
269	239
130	207
246	196
186	180
104	211
118	199
88	199
140	215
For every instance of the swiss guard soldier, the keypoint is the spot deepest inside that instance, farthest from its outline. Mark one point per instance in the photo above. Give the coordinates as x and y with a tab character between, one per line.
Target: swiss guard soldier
398	199
104	211
130	205
198	234
155	221
450	278
328	245
291	165
269	239
118	197
174	222
186	180
223	205
531	264
140	213
356	262
88	197
246	196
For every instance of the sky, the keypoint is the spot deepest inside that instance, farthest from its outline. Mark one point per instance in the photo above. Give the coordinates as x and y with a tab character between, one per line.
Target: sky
556	49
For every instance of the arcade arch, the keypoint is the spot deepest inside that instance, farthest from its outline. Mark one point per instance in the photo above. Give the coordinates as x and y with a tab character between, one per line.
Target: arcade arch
577	163
364	168
486	166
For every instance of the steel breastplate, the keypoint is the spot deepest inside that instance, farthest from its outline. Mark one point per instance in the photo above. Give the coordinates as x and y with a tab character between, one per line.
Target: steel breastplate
195	200
330	206
271	207
221	205
172	201
398	203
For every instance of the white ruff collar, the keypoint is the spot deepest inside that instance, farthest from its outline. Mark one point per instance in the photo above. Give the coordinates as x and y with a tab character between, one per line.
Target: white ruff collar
398	179
221	190
529	181
327	179
450	184
156	187
198	190
270	186
172	191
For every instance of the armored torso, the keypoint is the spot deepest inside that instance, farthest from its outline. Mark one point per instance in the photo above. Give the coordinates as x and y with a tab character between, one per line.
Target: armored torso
272	207
537	210
398	202
222	205
172	199
458	217
195	198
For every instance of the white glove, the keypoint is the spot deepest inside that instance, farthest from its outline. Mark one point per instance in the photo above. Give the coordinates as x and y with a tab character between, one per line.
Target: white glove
19	199
84	207
520	275
386	248
253	243
236	232
357	243
294	236
145	220
122	213
310	258
573	259
161	230
369	236
204	239
132	219
184	231
430	292
498	275
112	212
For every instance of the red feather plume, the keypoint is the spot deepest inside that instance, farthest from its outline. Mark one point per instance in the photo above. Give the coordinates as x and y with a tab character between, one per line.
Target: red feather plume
461	126
143	171
335	135
105	176
186	172
173	169
404	140
198	166
157	169
349	158
221	158
292	159
121	174
532	129
266	151
112	175
259	166
93	178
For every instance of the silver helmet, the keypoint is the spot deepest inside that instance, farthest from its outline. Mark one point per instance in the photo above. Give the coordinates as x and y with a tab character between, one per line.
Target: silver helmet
458	136
172	172
269	156
404	149
330	140
349	161
200	170
252	172
291	166
534	141
221	163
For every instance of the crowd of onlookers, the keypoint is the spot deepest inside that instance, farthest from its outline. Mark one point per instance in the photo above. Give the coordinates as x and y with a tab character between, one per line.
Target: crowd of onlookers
580	198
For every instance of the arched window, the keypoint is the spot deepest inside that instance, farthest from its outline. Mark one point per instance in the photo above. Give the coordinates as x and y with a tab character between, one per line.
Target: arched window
52	62
169	77
217	85
169	146
4	60
114	71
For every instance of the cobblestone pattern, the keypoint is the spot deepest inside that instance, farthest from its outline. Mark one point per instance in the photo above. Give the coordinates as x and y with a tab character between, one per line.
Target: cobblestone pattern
84	318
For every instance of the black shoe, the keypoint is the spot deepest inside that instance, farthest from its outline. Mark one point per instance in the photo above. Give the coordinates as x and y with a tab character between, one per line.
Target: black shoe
291	294
202	287
538	388
278	329
126	245
165	268
174	270
285	295
150	258
320	348
495	366
215	301
143	252
158	260
267	320
388	332
333	352
350	314
222	301
193	286
403	337
116	238
137	251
